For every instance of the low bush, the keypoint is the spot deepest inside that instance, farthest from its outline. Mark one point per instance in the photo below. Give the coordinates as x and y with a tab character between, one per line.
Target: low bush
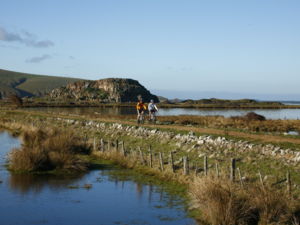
52	150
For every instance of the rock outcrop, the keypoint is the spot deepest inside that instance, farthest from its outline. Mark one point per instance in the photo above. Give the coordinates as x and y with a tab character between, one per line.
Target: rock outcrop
106	90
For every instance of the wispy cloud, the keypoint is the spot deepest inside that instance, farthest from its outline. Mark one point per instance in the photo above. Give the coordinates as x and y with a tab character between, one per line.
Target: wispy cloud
25	38
9	46
39	59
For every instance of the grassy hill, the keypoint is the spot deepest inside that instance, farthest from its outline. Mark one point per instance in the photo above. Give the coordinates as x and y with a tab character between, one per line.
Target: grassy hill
25	84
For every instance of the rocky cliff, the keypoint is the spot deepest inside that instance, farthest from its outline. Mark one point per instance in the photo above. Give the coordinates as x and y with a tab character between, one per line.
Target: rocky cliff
106	90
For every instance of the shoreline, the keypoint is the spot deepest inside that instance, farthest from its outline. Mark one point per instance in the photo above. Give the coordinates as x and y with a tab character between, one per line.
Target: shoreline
172	106
27	103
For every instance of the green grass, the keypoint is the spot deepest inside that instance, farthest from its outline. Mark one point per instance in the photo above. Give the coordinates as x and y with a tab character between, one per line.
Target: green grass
25	84
250	163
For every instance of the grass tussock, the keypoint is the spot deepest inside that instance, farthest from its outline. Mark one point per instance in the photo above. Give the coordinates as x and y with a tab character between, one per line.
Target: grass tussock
274	205
47	151
222	202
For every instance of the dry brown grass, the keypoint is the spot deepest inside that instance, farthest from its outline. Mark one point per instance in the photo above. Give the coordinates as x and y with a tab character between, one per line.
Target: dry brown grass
243	123
274	205
222	202
53	150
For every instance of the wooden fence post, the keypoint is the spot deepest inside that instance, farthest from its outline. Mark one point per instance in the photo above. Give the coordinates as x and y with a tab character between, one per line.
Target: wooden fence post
95	144
150	157
240	176
123	148
205	166
232	170
172	162
108	145
117	145
161	160
102	145
289	183
141	156
217	170
185	165
196	168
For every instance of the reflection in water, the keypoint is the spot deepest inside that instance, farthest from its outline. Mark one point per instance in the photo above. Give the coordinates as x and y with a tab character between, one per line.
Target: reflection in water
139	190
150	190
25	183
87	110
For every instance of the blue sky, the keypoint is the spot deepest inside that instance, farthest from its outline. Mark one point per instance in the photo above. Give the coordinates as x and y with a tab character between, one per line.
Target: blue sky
243	48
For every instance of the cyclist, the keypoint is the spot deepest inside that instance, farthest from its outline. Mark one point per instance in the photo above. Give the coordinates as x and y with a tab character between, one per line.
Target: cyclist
152	111
141	108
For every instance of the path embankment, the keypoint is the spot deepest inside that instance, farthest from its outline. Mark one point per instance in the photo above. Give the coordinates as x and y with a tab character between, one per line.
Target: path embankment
267	153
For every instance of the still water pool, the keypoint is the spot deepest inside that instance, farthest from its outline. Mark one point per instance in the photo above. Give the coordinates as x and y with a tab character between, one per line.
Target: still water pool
110	199
268	113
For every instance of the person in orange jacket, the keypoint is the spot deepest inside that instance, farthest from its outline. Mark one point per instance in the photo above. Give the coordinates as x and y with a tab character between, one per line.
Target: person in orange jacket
141	108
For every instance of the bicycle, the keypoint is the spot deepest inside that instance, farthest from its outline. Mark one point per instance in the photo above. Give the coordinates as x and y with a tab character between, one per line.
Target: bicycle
141	117
152	116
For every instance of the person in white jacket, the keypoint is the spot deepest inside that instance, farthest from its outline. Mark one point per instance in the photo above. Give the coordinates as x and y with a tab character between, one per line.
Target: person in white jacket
152	108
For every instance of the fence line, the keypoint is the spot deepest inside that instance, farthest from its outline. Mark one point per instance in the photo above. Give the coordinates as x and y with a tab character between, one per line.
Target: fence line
157	161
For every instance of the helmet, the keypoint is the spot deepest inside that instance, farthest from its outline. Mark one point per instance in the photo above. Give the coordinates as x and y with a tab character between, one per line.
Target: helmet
151	101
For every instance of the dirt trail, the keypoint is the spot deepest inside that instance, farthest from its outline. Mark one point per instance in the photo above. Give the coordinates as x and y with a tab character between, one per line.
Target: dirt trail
267	138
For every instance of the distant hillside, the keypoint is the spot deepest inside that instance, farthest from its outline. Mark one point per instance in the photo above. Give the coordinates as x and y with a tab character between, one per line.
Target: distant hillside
105	90
25	84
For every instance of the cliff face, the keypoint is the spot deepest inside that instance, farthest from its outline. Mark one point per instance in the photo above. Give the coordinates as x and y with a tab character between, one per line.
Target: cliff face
106	90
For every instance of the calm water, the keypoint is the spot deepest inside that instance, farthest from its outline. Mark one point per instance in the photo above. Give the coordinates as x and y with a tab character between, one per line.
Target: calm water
268	113
34	200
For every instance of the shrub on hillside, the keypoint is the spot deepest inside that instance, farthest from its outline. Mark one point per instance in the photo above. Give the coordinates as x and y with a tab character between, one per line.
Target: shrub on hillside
16	100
